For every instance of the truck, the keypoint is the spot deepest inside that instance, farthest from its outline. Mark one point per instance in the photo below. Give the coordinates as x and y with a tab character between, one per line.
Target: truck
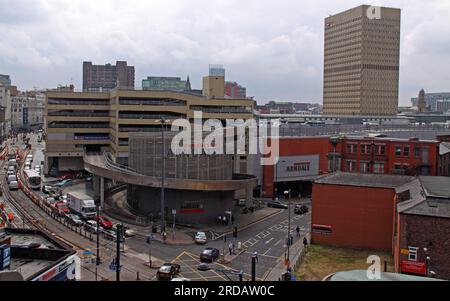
81	204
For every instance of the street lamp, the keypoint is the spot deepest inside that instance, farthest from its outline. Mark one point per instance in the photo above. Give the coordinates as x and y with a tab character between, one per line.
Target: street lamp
163	171
288	193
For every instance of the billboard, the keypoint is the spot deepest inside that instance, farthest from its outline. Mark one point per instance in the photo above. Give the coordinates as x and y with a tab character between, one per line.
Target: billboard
295	168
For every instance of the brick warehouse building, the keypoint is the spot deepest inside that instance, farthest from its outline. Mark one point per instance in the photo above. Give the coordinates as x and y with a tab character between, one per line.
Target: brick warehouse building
424	223
355	210
400	214
324	154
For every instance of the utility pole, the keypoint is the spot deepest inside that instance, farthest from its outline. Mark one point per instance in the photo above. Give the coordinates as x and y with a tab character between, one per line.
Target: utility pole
97	204
163	171
288	192
118	239
254	267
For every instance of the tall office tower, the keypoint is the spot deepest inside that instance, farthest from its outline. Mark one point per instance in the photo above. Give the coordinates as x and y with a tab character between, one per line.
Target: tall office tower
98	78
421	103
361	62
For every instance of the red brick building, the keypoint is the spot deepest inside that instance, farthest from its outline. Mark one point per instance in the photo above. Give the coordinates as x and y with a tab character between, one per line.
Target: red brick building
325	154
355	210
423	229
408	216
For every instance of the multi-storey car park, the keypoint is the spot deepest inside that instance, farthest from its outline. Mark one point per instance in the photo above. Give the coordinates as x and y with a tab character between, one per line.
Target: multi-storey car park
81	128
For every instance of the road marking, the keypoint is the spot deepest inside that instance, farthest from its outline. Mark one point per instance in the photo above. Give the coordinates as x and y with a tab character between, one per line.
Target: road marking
265	254
268	242
278	242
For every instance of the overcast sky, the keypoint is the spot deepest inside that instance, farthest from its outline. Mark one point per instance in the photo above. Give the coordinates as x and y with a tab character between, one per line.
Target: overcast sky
272	47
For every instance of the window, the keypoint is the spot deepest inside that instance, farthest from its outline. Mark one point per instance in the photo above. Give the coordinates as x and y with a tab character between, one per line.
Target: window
398	151
417	152
381	150
378	168
412	254
351	148
406	151
364	167
365	149
350	166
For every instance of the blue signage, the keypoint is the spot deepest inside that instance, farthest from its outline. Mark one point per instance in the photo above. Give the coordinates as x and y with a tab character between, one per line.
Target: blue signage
5	257
25	115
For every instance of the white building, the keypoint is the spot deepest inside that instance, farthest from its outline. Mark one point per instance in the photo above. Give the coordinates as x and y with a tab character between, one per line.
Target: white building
27	109
5	109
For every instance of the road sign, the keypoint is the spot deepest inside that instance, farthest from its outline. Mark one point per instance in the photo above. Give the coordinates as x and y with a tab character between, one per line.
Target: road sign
228	212
174	211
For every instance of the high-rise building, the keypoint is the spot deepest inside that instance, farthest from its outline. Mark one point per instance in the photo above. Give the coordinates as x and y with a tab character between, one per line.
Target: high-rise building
5	80
234	90
98	78
361	62
165	83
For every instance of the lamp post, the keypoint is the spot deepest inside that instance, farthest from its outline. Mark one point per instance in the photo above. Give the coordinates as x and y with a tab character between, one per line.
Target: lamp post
163	171
288	193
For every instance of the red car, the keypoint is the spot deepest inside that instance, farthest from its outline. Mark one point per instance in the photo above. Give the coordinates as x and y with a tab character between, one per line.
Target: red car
67	176
61	208
104	222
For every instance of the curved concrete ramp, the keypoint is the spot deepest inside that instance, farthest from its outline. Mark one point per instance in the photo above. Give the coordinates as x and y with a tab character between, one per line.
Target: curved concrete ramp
99	165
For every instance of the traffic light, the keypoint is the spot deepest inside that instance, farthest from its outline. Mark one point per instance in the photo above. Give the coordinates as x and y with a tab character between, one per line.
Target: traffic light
235	232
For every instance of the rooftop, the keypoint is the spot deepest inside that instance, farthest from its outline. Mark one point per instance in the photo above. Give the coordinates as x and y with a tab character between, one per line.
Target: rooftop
436	186
365	180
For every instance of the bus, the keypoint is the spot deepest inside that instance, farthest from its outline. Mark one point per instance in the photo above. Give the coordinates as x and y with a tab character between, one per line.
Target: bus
33	178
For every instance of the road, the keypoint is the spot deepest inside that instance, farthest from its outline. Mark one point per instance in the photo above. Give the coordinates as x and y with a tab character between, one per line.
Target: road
267	238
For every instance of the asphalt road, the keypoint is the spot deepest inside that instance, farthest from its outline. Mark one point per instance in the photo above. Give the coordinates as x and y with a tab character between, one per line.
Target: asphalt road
267	238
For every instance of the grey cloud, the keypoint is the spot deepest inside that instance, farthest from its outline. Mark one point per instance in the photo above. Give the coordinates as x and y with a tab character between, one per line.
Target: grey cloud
275	48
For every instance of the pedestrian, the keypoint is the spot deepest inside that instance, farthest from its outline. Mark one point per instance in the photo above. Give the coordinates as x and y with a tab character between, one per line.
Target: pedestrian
232	219
298	231
230	248
291	239
224	220
219	219
305	242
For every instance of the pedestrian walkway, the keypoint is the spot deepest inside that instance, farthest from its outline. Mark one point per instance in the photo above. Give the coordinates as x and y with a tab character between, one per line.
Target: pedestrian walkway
295	254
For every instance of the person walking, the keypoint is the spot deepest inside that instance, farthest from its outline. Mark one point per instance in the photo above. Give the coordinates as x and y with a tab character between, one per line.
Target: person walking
230	248
305	242
298	231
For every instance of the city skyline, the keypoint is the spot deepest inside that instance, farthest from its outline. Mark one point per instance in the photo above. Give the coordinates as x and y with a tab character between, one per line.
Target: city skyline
281	62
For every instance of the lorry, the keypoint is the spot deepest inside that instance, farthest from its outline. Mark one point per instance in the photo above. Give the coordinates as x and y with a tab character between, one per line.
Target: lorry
81	204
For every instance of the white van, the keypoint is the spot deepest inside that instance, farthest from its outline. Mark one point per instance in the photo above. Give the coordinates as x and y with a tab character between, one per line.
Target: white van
30	158
12	178
13	185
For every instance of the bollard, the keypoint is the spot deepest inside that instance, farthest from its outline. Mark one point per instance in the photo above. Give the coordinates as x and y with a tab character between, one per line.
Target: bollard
137	276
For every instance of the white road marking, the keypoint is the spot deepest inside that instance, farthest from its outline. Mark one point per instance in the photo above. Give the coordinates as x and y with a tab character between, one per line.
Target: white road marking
267	251
267	242
278	242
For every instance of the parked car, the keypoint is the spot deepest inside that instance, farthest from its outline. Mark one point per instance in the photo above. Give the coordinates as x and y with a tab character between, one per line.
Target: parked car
209	255
203	267
277	204
180	279
61	208
11	173
200	238
74	219
91	226
67	176
104	222
167	271
64	183
37	168
47	189
13	185
301	209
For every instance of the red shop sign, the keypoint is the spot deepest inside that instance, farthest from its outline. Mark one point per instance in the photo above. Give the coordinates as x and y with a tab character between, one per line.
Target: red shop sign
412	267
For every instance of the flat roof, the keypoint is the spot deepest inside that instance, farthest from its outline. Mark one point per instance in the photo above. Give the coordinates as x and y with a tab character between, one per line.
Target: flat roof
365	180
433	207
